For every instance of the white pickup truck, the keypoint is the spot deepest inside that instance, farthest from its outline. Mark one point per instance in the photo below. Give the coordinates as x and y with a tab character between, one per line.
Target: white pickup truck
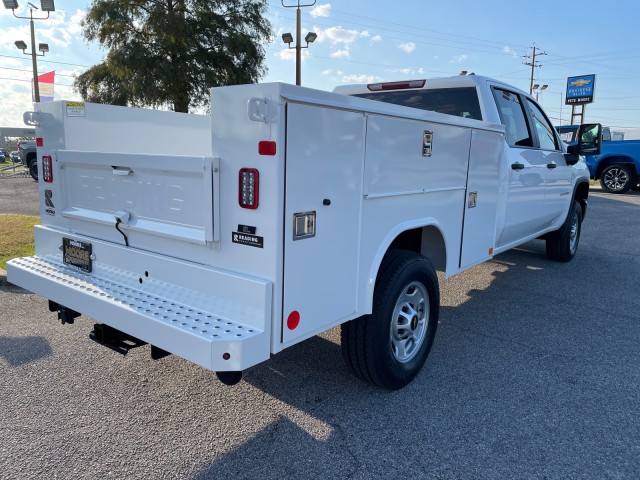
289	211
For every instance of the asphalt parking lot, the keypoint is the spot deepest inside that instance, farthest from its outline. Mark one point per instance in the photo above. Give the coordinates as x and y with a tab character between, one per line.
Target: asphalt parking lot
535	373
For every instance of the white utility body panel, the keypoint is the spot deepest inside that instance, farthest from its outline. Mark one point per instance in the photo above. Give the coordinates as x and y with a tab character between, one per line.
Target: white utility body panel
152	202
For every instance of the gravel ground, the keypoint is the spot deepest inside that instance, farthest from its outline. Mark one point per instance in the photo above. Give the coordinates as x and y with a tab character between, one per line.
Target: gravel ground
19	196
535	373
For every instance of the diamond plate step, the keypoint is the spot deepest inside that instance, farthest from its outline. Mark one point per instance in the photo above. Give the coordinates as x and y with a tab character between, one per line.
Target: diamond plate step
161	320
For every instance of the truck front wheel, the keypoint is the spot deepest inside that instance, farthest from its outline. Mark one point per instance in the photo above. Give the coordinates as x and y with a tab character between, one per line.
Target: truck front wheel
389	347
33	169
562	244
618	178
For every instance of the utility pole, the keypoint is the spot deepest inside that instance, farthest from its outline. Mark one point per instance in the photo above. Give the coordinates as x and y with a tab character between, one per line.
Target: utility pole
533	64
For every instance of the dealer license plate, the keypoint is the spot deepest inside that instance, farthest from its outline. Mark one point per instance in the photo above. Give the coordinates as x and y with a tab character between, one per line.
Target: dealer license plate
77	254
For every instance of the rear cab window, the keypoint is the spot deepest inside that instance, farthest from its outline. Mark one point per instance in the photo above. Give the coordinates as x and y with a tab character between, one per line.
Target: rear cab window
461	102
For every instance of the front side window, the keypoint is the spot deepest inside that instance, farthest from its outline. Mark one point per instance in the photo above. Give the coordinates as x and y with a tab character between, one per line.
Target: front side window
546	135
513	118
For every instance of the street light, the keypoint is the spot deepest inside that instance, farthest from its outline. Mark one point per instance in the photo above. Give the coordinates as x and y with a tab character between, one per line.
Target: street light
538	89
46	6
288	38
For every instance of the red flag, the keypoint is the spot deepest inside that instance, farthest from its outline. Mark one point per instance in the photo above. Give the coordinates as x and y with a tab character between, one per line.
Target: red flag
45	84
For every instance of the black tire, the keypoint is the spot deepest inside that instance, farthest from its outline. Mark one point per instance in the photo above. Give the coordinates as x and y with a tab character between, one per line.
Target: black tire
618	178
33	169
562	244
389	347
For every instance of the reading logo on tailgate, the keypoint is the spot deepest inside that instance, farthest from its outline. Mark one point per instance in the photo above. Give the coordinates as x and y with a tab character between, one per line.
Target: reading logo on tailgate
247	239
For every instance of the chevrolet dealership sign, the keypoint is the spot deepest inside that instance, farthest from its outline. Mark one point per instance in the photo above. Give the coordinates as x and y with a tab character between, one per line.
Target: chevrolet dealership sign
580	89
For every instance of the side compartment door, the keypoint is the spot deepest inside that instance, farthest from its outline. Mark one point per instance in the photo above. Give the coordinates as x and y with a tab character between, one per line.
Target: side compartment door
323	197
480	211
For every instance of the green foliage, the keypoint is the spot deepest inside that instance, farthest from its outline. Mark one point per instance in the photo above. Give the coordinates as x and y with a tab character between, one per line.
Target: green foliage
171	52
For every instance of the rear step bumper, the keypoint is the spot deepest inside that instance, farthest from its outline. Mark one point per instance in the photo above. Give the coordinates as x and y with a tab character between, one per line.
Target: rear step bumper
194	330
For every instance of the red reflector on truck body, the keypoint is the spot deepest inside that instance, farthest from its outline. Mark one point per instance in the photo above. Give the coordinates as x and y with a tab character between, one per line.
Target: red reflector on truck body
266	147
39	142
293	320
248	188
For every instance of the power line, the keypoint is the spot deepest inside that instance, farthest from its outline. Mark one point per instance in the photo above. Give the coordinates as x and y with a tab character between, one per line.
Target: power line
31	72
47	61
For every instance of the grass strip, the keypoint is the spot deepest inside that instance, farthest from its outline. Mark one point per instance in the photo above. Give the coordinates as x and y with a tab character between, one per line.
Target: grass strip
16	237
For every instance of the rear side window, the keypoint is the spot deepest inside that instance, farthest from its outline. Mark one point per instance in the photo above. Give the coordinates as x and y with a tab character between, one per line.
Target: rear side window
513	118
461	102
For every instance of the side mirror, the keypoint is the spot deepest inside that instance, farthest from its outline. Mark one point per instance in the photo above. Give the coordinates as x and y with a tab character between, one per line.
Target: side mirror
589	137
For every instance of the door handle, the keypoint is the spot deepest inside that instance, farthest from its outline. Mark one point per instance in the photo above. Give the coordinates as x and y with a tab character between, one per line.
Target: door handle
121	170
552	165
517	166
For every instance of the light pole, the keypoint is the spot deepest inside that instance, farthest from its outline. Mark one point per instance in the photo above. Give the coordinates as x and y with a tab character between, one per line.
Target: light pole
538	89
46	6
288	38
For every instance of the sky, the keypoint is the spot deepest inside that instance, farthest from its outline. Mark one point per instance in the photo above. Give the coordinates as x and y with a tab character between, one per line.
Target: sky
375	41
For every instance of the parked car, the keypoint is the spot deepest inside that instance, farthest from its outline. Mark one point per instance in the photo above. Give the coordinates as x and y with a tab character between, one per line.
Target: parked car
15	156
28	157
3	154
618	165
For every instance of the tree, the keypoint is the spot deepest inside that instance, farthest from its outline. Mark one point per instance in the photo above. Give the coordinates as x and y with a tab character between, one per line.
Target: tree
171	52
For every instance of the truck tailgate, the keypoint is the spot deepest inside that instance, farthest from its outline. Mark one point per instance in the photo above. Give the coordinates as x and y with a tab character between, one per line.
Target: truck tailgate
148	196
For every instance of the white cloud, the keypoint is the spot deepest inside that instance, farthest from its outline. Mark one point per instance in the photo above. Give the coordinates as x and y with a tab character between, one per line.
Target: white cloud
323	10
376	38
508	51
407	47
327	72
337	35
289	54
459	58
364	78
410	71
344	53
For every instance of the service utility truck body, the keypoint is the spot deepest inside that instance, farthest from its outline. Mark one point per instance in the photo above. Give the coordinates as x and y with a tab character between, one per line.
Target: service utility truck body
289	211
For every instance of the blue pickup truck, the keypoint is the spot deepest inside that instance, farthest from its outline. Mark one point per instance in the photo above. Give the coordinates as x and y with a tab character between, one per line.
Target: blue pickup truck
618	165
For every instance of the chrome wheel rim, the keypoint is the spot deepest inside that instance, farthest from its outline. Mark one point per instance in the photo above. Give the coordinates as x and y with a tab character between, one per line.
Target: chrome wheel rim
573	233
615	178
409	322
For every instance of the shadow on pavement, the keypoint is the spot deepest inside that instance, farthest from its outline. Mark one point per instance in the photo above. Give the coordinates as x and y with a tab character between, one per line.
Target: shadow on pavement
18	351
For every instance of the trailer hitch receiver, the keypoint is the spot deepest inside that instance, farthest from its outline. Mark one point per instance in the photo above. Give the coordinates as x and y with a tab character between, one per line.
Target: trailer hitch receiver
114	339
65	315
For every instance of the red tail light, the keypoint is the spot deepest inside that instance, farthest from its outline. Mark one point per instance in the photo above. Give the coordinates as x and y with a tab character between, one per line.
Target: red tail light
248	188
47	169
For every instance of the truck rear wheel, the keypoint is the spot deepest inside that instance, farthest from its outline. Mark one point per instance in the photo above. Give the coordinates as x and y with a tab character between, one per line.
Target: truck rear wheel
33	169
618	178
389	347
562	244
